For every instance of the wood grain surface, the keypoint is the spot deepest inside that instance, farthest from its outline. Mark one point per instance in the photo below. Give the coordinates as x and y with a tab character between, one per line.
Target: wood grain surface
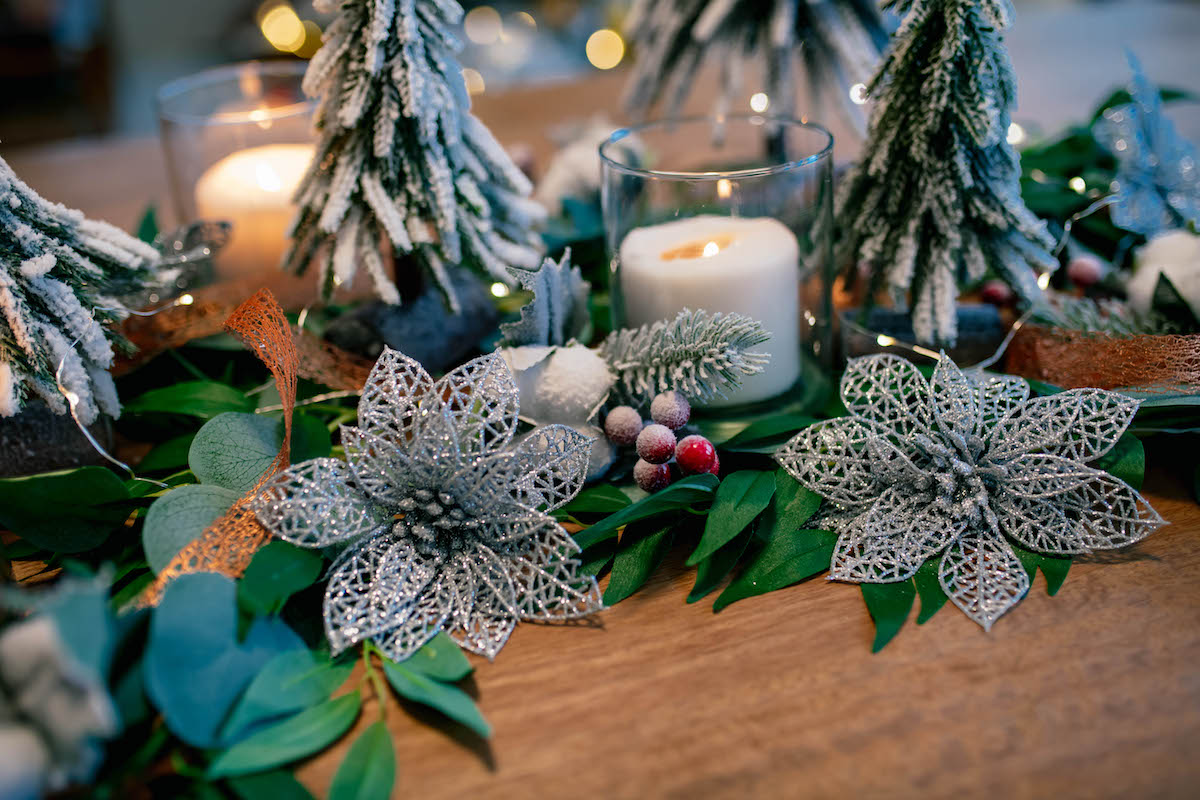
1092	693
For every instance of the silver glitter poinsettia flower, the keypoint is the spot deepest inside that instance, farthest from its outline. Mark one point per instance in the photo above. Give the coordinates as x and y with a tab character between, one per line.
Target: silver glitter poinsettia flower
961	464
445	516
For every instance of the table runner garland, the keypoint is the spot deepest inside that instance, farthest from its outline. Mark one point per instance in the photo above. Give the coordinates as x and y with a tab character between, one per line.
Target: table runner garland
291	542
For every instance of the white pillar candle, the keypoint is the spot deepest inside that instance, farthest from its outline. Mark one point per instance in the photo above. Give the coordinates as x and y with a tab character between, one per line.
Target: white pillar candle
253	189
737	265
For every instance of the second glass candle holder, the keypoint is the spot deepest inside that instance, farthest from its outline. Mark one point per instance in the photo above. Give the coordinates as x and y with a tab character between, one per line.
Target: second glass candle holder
728	214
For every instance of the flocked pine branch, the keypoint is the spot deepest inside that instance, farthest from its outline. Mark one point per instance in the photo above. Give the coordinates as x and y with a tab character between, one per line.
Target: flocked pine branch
60	277
839	43
936	198
700	355
400	156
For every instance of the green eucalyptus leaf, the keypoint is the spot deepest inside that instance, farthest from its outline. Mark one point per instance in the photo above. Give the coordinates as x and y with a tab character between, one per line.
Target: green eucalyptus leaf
179	517
67	511
740	498
275	573
278	784
684	493
294	738
788	557
1054	568
643	547
774	429
597	557
929	588
889	604
450	700
792	506
233	450
310	438
369	769
441	659
713	569
1126	461
203	399
289	682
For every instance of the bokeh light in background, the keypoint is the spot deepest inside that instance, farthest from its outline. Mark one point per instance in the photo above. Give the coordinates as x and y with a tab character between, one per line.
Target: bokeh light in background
759	102
605	48
283	29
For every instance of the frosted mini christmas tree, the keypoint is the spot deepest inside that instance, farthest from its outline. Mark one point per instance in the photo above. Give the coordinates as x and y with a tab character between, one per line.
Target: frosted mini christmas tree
838	42
402	159
936	198
60	277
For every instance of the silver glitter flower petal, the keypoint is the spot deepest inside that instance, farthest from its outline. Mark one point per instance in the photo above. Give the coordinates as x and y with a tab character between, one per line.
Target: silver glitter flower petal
451	513
388	406
316	504
1079	424
982	576
828	458
888	390
875	549
481	400
372	589
959	464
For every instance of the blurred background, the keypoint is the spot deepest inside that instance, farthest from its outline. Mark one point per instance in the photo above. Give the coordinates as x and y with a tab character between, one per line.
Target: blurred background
74	68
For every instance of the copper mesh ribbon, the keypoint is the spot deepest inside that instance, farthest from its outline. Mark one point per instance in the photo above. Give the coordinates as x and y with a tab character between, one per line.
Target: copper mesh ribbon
1075	359
228	544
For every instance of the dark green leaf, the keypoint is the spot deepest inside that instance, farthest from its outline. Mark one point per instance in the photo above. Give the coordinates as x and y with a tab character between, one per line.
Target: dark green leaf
276	785
788	557
792	506
604	499
147	228
930	590
171	454
686	492
1053	567
889	604
196	667
441	659
450	700
369	768
66	512
233	449
597	557
304	734
773	429
289	682
310	438
1126	461
1121	96
740	498
275	573
179	517
712	570
643	547
203	399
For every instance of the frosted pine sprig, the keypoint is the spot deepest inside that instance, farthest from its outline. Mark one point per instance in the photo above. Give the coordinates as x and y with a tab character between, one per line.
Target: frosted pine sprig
700	355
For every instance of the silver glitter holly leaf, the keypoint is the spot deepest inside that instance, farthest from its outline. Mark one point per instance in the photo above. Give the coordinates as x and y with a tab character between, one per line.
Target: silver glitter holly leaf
444	517
959	465
1158	172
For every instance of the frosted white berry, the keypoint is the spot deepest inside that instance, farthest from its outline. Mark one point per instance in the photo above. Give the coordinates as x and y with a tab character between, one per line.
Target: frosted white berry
670	409
656	444
651	477
622	425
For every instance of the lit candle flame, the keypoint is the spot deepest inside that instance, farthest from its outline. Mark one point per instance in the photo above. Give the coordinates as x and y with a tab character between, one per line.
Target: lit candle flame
702	248
711	249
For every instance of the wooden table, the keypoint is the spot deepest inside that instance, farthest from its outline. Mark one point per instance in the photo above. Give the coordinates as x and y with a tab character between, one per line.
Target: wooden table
1092	693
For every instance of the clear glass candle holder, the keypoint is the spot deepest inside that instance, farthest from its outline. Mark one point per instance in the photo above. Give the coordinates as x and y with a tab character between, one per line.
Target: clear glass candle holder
727	214
238	139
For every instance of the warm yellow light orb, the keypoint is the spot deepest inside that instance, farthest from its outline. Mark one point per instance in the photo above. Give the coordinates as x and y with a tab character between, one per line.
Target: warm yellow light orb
482	25
605	48
759	102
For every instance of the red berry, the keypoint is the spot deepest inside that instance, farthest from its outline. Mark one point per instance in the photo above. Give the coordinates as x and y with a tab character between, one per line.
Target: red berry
622	425
695	455
656	444
670	409
1085	270
997	293
651	477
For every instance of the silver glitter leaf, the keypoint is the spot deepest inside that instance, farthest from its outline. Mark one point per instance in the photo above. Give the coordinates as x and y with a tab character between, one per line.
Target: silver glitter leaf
446	514
315	504
956	465
983	576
